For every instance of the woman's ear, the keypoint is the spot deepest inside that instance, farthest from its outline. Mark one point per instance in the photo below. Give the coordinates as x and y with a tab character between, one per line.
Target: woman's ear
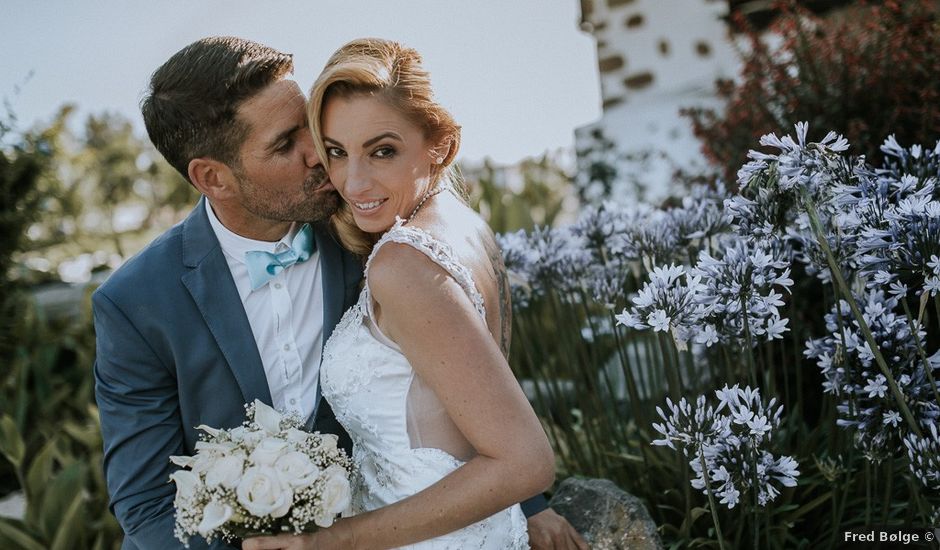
441	152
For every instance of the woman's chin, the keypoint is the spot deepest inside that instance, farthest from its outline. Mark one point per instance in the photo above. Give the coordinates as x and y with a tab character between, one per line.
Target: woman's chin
373	224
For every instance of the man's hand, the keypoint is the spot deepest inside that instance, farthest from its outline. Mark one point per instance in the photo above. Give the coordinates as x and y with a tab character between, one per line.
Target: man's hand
550	531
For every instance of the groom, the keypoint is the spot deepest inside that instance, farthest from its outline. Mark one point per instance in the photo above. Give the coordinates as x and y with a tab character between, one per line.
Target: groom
234	303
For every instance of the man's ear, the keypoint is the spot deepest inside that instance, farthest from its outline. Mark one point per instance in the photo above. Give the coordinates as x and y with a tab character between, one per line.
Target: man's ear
210	177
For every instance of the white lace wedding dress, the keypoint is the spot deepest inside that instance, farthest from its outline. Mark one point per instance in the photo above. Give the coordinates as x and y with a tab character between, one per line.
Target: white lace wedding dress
403	440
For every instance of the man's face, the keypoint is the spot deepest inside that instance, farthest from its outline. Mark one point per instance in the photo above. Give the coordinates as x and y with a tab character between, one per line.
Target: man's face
280	178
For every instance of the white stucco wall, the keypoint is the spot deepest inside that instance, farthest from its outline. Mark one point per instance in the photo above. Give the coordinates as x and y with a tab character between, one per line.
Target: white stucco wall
680	47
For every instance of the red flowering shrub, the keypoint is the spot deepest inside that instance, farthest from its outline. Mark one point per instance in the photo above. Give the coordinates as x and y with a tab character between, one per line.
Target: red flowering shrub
867	73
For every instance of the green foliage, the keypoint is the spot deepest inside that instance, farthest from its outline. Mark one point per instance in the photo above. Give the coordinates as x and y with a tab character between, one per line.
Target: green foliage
105	192
49	433
50	436
536	192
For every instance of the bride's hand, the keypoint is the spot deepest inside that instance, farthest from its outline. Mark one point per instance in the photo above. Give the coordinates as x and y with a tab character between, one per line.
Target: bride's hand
321	540
281	542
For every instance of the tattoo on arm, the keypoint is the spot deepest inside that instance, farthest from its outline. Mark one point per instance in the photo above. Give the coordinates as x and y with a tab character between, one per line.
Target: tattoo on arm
502	289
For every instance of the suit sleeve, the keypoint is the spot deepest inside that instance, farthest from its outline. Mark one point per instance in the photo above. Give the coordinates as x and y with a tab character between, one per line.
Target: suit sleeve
138	403
534	505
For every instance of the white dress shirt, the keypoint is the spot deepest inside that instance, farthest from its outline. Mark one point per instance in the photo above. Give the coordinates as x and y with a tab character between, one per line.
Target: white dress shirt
286	318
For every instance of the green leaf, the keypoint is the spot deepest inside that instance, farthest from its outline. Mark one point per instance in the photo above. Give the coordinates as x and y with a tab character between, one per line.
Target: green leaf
60	494
809	506
12	537
70	526
40	469
11	444
698	512
89	436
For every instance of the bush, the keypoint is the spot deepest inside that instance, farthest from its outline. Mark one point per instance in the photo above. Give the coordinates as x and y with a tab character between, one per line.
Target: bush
866	75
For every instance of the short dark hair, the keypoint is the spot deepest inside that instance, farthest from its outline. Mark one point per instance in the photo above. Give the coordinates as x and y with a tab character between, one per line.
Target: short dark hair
190	107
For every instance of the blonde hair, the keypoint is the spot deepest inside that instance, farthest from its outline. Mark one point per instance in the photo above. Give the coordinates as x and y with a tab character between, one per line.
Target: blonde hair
392	72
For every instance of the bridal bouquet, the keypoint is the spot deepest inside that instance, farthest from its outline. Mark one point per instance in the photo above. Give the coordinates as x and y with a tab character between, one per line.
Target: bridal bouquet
266	476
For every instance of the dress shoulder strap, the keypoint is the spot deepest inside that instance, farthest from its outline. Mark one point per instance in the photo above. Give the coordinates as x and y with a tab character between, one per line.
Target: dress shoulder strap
438	251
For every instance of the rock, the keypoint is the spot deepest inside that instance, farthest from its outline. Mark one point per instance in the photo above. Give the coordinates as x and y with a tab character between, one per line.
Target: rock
606	516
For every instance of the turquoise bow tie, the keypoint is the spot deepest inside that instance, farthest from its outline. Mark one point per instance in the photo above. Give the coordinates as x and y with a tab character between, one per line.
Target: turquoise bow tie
263	266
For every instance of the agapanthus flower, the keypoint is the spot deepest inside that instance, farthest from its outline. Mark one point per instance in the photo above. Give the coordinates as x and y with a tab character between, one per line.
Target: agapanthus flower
923	454
771	206
851	374
609	259
733	439
669	302
544	259
701	215
745	282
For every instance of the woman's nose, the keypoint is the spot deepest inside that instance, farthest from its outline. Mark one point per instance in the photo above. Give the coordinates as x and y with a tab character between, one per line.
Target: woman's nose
357	178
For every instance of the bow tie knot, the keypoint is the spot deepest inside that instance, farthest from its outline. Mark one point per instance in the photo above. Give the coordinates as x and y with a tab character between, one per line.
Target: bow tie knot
264	266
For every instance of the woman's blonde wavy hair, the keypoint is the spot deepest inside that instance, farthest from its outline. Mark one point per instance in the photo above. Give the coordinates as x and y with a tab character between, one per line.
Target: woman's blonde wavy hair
392	72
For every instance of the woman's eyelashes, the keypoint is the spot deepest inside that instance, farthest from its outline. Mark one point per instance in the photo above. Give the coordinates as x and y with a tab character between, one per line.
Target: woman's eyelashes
384	152
335	152
381	152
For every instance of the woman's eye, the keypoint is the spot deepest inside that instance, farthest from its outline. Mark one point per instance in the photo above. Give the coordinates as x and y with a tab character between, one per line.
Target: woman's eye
384	152
335	152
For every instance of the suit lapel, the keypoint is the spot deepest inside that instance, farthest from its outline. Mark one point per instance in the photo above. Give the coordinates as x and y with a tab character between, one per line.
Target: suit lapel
210	284
334	282
334	297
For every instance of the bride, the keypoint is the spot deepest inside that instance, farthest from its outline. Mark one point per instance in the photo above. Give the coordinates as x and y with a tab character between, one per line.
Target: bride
445	442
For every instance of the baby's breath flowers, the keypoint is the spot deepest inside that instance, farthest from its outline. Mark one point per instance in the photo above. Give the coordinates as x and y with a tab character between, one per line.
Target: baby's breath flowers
265	476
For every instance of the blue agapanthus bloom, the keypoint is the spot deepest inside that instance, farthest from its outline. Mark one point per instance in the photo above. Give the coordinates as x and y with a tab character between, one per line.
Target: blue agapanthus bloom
850	373
923	455
734	440
745	283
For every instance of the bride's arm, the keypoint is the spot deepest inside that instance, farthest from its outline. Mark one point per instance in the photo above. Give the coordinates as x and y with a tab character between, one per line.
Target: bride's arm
430	317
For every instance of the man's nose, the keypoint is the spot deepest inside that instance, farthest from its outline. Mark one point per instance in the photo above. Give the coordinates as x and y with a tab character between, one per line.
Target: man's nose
311	158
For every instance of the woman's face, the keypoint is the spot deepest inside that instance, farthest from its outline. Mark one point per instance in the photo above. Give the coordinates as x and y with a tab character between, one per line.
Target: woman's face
380	162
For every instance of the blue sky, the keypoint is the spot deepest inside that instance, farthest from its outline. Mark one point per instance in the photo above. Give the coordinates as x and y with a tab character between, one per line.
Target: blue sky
518	75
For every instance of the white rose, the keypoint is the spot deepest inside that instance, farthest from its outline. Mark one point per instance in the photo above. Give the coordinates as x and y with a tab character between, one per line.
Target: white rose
262	493
268	418
249	438
336	495
297	436
187	483
213	516
227	471
297	470
268	451
215	448
208	453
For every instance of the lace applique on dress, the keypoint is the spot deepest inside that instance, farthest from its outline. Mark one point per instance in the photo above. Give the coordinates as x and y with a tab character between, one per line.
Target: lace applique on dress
440	253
